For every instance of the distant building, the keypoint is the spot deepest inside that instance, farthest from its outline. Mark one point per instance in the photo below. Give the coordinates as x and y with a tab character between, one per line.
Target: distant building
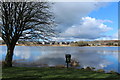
43	43
116	43
60	43
51	43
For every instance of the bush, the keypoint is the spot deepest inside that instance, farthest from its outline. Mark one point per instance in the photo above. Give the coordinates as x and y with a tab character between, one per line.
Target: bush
113	72
74	63
89	68
100	70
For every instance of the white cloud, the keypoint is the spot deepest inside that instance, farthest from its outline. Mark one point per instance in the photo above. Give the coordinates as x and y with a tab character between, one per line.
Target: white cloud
73	23
89	28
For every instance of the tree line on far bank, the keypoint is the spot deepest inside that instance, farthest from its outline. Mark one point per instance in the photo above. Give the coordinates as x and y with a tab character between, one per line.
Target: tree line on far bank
96	43
78	43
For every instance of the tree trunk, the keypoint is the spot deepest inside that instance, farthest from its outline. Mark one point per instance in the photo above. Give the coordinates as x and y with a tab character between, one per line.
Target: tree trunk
9	56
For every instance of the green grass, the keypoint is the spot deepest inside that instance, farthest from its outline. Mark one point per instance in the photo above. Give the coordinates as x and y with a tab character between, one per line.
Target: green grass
30	73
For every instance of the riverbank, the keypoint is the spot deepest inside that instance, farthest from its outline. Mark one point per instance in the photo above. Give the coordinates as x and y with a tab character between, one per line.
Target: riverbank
34	73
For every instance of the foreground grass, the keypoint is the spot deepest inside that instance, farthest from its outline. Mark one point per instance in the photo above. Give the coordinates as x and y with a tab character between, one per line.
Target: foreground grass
25	73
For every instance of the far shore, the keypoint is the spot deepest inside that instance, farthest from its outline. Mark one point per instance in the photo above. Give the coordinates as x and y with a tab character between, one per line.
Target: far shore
60	45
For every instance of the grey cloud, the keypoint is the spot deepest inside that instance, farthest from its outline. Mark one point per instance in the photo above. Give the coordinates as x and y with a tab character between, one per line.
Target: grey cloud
70	13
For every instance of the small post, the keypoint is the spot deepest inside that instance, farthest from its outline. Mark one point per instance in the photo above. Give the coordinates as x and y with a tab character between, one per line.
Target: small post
67	65
68	59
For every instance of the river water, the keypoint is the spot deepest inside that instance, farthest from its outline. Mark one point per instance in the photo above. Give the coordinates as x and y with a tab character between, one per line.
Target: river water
99	57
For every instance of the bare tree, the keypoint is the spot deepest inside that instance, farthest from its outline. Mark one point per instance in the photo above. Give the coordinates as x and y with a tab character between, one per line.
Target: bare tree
26	21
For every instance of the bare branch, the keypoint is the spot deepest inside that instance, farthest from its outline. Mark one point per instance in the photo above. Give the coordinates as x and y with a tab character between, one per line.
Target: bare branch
26	20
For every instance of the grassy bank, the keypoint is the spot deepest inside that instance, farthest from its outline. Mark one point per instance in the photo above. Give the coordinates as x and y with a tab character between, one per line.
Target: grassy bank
25	73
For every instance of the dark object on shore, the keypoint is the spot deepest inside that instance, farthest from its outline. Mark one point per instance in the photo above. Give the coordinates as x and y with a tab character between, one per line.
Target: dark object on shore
68	59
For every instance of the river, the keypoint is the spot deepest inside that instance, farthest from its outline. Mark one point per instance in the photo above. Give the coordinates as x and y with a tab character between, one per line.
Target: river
99	57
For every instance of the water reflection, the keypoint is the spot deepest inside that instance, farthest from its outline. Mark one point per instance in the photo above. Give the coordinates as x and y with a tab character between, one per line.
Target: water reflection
98	57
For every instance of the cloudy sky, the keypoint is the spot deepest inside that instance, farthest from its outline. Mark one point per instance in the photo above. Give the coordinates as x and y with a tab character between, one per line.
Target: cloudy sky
86	20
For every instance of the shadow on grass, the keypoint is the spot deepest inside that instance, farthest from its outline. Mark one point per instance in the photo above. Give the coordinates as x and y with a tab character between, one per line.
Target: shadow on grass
23	73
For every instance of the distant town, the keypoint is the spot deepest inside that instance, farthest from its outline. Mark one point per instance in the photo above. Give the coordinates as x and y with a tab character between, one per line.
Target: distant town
72	43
